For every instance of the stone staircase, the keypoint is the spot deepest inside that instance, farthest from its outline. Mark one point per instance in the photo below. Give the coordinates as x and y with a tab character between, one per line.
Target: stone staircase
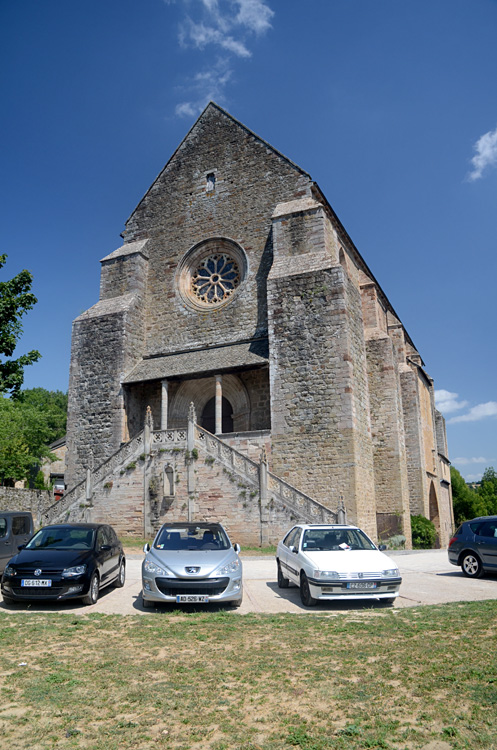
97	498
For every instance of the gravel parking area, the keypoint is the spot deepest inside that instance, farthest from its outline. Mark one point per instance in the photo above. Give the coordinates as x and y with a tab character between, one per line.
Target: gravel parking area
427	578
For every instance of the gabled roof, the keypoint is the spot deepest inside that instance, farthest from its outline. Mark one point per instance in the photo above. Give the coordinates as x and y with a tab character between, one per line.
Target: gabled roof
212	108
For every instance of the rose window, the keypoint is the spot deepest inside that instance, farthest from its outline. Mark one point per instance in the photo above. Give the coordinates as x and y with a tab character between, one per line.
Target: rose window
211	274
215	278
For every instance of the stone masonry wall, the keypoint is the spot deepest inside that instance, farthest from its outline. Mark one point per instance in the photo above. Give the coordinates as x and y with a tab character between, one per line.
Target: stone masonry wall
104	340
316	393
34	501
387	426
178	212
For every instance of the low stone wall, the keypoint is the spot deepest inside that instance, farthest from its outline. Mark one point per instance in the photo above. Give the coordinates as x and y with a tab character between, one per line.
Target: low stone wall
35	501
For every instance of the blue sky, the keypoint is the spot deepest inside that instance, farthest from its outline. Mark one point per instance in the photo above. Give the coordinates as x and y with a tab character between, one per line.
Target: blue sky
390	105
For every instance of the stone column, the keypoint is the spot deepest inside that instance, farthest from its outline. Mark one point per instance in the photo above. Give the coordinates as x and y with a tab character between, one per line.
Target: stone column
190	472
263	498
219	404
164	404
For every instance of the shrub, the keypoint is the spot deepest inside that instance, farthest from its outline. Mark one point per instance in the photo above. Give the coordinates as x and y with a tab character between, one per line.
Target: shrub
424	534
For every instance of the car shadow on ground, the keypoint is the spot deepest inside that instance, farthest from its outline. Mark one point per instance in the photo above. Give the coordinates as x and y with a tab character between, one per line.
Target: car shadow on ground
51	605
168	608
292	594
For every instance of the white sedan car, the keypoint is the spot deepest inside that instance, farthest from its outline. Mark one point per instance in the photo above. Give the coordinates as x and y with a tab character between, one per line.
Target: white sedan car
331	562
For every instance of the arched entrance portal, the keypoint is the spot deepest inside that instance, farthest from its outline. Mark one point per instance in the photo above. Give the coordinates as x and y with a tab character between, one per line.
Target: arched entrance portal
208	417
202	391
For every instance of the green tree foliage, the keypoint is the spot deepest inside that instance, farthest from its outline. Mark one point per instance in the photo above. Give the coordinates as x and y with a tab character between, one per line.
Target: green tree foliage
28	425
424	534
487	492
16	299
464	499
469	503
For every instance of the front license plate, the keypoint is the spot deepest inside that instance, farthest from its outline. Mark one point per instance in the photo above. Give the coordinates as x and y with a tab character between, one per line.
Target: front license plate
36	582
192	599
362	585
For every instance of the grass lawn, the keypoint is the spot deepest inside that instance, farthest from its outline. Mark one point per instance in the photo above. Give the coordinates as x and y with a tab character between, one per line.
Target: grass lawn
405	678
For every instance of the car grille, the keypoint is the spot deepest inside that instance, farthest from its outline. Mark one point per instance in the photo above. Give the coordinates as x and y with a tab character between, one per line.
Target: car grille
360	576
174	586
48	592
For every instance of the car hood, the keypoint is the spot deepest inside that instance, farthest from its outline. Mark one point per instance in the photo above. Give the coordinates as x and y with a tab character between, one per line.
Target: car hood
351	560
207	560
49	559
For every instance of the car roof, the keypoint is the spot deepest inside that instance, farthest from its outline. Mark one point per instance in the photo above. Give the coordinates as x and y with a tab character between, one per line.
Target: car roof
481	518
75	525
191	525
325	526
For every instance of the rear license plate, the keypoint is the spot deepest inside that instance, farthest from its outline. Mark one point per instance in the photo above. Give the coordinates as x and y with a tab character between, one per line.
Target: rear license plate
36	582
192	599
362	585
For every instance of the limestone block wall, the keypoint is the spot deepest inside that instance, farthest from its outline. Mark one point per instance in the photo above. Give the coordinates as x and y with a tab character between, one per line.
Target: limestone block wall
105	340
33	501
180	210
320	433
387	426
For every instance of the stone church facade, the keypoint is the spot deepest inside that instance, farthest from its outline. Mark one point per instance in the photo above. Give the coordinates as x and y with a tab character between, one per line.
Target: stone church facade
238	290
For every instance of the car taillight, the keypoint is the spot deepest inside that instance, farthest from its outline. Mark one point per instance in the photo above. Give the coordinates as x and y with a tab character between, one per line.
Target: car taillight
452	540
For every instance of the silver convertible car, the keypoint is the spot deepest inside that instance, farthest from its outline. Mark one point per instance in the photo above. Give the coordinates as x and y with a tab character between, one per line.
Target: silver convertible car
331	562
192	563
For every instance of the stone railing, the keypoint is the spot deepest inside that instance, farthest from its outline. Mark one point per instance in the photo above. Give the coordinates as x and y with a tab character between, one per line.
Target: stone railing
163	437
303	506
229	456
126	452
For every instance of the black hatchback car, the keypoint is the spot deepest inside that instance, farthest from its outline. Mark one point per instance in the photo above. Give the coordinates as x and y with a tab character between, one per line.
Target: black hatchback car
65	561
474	546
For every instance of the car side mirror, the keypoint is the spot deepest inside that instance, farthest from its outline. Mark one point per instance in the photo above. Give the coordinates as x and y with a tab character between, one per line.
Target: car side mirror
237	548
20	547
146	547
293	549
105	547
382	547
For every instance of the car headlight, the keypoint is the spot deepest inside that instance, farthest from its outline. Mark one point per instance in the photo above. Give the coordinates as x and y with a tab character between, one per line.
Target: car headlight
154	569
390	573
77	570
327	575
10	571
231	567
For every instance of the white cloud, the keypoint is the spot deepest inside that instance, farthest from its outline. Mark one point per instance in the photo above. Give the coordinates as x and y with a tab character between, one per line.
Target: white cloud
255	15
473	477
205	86
222	24
476	413
475	460
447	402
486	154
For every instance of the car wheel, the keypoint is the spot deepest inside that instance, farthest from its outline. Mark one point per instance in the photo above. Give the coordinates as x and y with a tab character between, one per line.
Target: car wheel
7	599
236	603
121	576
387	602
93	591
305	592
471	565
282	581
146	603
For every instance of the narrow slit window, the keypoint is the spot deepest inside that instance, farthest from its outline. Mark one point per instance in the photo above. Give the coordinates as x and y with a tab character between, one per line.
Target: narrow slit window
211	183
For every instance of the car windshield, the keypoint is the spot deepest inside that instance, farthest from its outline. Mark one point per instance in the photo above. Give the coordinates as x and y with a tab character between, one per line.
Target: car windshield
194	536
62	538
335	539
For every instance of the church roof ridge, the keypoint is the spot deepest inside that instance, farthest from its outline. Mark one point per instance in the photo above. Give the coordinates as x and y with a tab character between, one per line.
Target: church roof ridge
225	113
